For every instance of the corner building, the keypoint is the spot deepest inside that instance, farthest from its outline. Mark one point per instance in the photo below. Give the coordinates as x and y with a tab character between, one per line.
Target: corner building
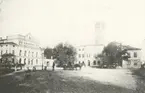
25	48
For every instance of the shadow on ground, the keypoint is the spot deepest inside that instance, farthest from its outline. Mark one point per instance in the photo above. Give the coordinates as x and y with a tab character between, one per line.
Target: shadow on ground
41	82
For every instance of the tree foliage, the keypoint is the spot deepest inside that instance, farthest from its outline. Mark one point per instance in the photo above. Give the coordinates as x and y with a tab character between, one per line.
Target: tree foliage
64	53
48	53
7	61
115	53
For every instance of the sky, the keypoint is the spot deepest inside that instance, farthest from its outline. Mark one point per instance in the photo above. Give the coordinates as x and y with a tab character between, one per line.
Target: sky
73	21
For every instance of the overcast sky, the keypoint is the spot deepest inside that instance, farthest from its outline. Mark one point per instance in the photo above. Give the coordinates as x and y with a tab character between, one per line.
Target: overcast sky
73	21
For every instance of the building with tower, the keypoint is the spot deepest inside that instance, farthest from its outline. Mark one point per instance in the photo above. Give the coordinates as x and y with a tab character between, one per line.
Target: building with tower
87	53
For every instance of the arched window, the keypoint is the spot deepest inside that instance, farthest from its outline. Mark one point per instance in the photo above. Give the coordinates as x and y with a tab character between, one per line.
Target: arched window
28	61
20	61
99	62
94	63
88	62
20	52
32	62
25	61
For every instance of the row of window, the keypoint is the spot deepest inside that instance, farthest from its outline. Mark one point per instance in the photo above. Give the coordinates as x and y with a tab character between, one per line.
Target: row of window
6	45
25	53
20	53
83	55
88	63
13	52
134	54
30	62
81	49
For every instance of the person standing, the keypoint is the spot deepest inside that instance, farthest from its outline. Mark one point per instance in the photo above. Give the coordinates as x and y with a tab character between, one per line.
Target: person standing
53	66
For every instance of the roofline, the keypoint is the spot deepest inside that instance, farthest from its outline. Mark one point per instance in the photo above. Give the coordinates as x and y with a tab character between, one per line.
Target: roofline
90	45
8	43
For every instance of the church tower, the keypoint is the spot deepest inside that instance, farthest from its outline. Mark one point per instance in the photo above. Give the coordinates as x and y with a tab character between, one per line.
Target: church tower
99	33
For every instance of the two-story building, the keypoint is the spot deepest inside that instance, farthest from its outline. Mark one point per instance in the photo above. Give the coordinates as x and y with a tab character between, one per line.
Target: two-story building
87	54
134	60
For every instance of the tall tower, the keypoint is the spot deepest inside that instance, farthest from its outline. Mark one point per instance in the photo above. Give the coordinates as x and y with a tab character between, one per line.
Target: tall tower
99	33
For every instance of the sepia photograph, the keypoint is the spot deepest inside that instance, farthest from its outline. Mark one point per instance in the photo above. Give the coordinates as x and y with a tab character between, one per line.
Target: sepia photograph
72	46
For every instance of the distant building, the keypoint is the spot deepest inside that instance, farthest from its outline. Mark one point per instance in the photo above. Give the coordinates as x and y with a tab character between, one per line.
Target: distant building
134	60
143	52
26	48
87	53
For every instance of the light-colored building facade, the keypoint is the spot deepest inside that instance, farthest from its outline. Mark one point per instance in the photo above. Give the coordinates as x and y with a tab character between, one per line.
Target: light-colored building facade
87	53
134	60
25	48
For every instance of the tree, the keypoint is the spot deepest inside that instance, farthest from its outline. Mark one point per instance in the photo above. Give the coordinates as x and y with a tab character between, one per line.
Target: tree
7	61
48	52
64	53
115	53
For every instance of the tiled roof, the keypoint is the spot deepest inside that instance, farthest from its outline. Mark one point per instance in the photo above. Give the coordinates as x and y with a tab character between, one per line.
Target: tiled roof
8	43
131	48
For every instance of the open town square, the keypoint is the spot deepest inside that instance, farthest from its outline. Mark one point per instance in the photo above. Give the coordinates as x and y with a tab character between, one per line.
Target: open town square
72	46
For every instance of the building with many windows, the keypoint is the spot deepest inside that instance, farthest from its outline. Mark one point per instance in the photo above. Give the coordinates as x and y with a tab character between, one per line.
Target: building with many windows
25	48
87	54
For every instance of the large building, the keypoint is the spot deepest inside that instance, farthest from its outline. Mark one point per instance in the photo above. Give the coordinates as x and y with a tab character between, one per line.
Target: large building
87	54
25	48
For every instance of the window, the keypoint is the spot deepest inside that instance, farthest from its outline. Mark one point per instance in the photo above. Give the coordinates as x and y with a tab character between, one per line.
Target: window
135	64
135	54
79	55
20	61
83	55
25	61
20	52
6	51
25	53
28	61
99	62
94	63
32	62
88	62
13	52
36	61
13	45
83	49
79	62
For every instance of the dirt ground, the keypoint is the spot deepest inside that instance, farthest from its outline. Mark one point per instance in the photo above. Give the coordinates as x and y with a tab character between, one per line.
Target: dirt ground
84	81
